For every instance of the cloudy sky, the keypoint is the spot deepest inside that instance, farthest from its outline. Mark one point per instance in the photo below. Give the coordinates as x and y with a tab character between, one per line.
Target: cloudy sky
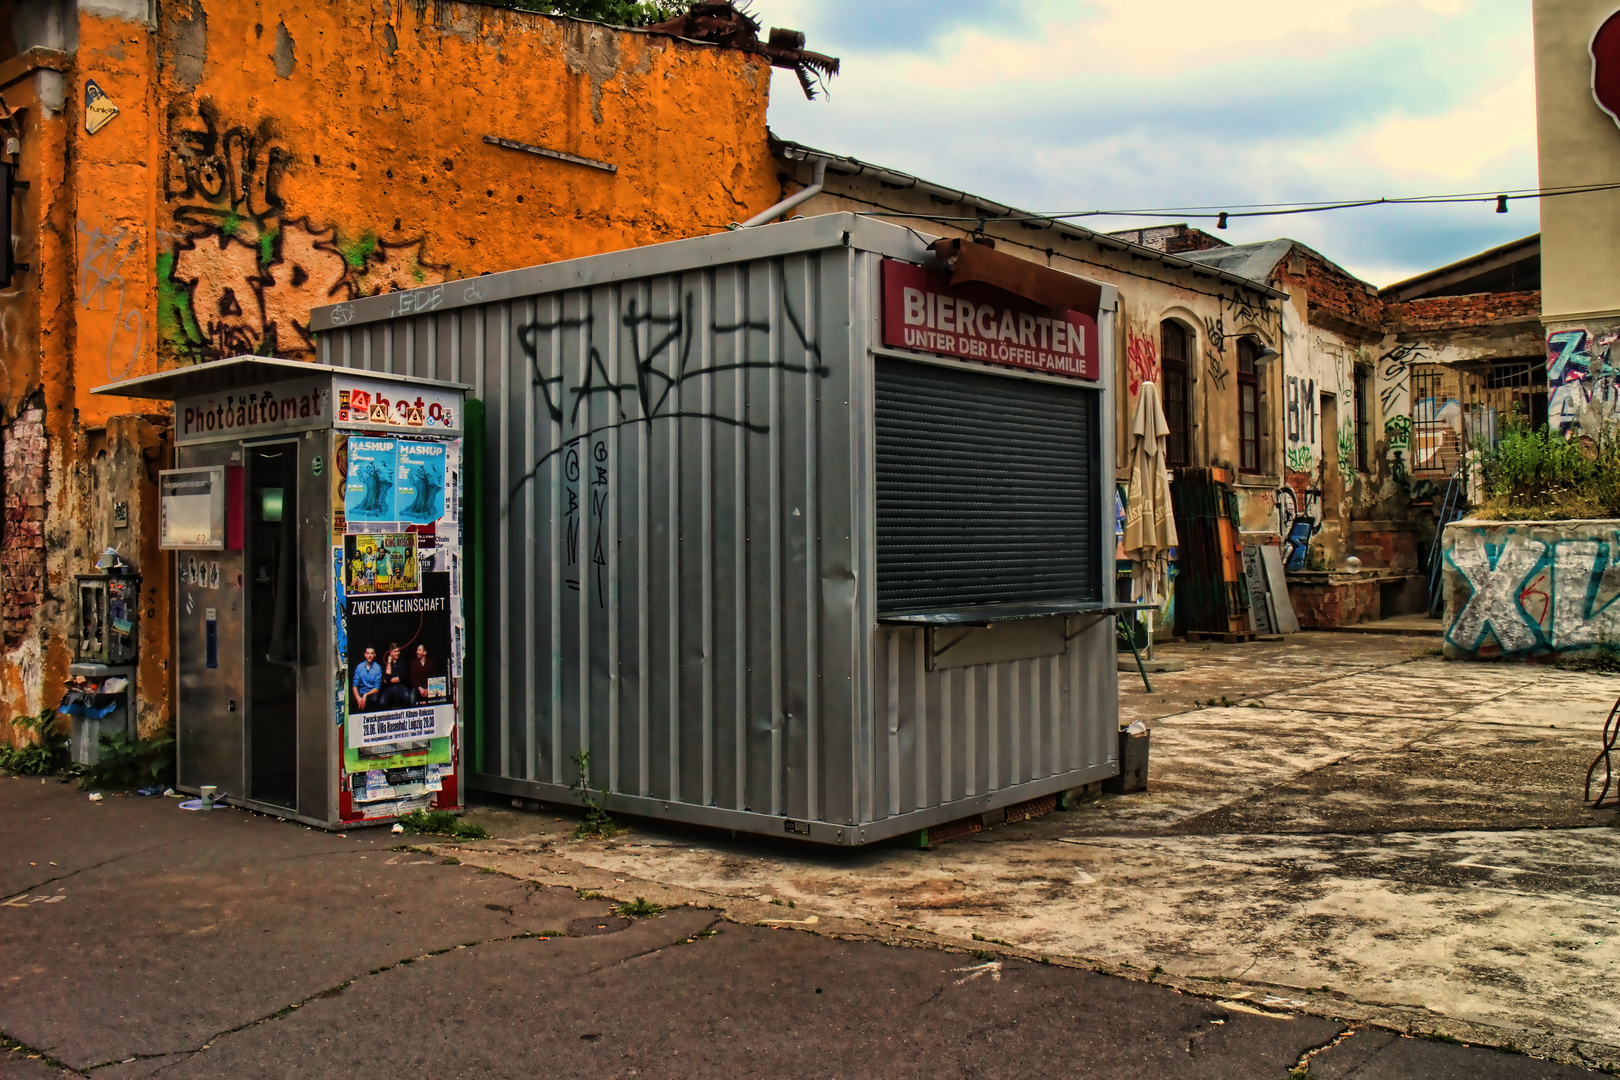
1061	105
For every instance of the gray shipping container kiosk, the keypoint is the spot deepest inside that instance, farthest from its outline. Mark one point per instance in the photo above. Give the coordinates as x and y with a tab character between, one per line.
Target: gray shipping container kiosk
803	530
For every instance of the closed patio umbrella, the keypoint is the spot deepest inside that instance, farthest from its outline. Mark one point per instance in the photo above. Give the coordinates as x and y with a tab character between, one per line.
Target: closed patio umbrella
1150	524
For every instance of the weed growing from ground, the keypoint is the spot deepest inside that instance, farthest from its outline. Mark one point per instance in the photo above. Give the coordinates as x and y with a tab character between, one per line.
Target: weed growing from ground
130	762
442	823
639	908
596	821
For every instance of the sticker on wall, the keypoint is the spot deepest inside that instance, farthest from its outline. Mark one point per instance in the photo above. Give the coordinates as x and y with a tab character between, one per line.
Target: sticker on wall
369	493
98	107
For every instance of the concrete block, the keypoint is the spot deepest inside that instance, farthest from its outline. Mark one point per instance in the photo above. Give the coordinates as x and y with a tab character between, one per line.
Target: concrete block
1133	764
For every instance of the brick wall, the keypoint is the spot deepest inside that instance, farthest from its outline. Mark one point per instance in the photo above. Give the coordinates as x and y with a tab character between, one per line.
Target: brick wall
1385	545
1327	605
1454	312
1336	292
1172	239
22	540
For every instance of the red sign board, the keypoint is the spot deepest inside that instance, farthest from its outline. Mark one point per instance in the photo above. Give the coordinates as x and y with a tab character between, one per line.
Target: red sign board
923	311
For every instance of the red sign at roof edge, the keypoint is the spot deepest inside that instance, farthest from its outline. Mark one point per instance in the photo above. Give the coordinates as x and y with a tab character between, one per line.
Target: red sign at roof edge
1605	50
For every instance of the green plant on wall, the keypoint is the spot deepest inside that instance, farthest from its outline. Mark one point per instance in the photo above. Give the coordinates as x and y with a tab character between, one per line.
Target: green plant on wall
43	751
616	12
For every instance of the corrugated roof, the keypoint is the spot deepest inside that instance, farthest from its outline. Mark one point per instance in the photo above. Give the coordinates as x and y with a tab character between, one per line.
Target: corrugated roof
794	151
1254	261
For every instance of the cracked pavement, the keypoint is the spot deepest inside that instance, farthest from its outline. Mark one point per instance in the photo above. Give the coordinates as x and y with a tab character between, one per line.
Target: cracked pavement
1366	848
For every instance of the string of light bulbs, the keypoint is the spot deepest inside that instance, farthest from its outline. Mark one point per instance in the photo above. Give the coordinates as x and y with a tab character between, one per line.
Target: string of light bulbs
1222	213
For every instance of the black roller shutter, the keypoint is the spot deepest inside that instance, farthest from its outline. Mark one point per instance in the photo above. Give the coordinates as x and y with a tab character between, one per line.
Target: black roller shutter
986	490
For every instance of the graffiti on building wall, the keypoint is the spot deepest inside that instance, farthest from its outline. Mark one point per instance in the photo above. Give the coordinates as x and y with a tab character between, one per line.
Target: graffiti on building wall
240	272
1215	351
1581	371
1266	318
1394	373
1526	593
104	249
1299	517
1141	361
1299	423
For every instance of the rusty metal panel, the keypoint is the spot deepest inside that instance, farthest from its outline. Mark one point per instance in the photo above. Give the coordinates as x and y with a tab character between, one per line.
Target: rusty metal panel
679	499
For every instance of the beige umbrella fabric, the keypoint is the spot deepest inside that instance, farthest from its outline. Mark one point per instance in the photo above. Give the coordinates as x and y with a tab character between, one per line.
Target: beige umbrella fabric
1150	525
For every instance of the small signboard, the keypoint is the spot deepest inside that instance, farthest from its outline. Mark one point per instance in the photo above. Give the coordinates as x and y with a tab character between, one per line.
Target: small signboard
290	405
191	509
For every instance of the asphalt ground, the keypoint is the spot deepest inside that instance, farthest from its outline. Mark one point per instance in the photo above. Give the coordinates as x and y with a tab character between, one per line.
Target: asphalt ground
140	940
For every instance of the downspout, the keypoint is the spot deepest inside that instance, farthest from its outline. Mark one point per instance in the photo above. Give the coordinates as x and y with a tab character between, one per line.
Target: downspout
804	195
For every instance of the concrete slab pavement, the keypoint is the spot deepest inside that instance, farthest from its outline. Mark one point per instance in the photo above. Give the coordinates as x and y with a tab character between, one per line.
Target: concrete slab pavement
242	946
1272	899
1367	833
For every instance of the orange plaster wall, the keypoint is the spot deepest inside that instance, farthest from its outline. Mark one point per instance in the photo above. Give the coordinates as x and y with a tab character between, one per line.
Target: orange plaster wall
324	151
269	158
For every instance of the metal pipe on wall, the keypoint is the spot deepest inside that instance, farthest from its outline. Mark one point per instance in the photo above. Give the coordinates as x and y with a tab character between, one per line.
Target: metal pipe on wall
796	199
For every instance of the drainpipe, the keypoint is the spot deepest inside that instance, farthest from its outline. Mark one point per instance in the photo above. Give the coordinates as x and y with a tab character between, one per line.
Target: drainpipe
802	196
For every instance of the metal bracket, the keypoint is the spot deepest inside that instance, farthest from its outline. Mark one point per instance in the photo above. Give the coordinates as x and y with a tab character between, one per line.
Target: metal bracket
556	155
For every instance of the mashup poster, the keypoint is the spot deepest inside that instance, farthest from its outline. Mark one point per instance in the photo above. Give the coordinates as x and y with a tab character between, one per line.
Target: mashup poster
369	493
419	485
396	547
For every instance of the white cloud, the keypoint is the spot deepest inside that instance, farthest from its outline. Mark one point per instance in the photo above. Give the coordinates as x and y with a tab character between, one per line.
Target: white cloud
1121	103
1458	144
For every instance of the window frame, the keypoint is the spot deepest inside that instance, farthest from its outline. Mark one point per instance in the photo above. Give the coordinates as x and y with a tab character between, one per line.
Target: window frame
1248	388
1178	410
1361	381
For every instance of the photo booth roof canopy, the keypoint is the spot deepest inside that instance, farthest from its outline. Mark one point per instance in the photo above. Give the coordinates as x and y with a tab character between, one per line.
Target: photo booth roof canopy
244	372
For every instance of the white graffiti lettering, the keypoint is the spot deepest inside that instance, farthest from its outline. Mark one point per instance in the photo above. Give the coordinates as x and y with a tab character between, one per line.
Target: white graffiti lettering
1578	586
1494	603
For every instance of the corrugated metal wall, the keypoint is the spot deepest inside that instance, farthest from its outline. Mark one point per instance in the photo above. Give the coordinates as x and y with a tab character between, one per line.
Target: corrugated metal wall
671	572
679	497
962	732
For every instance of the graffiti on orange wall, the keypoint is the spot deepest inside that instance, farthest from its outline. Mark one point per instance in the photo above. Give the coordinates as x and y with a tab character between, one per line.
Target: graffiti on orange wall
1141	360
240	272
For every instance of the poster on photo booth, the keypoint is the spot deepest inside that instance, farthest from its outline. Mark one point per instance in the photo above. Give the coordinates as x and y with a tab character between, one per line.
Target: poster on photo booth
399	662
419	487
379	563
372	474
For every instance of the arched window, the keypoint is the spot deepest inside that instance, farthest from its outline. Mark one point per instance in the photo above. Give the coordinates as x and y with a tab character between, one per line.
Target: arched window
1176	350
